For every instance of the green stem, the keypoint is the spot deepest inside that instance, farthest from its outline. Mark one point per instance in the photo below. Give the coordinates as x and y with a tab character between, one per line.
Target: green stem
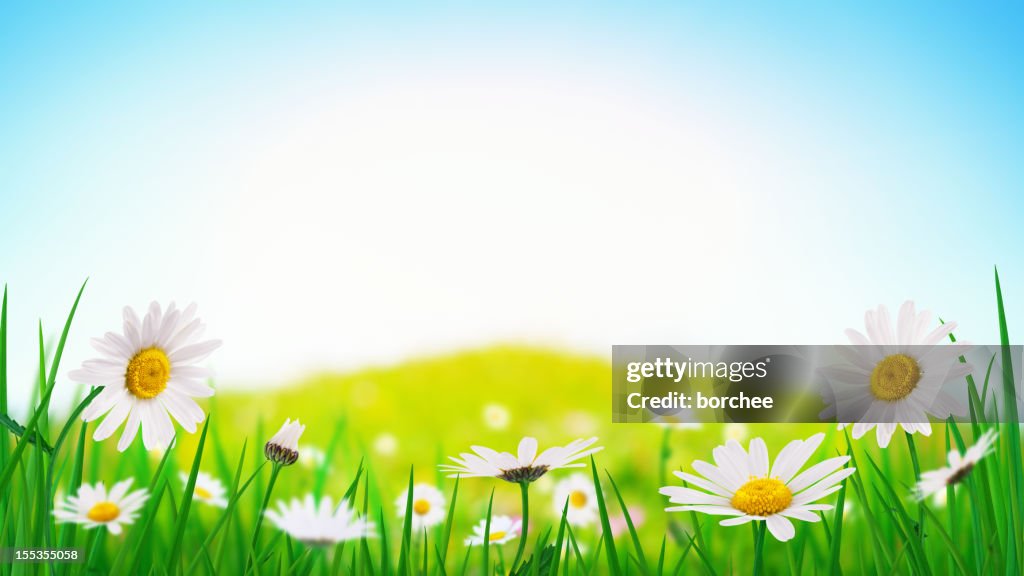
524	488
917	478
759	548
259	519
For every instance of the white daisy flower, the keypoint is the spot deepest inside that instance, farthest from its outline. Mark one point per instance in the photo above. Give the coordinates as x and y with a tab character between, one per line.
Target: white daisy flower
148	372
93	506
526	466
427	506
578	490
503	529
283	447
743	486
896	378
386	444
319	524
934	482
207	489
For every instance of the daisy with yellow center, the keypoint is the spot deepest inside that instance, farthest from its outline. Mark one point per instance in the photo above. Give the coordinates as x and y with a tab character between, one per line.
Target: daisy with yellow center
149	373
896	378
95	506
208	490
503	529
428	507
578	491
747	487
318	522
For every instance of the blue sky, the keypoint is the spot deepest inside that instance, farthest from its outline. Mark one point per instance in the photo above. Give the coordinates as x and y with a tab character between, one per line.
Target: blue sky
339	185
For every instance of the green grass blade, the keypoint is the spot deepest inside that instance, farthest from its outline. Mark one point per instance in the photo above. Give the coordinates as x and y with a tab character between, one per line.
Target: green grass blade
186	498
637	547
606	527
486	561
951	547
559	541
405	550
1012	429
449	522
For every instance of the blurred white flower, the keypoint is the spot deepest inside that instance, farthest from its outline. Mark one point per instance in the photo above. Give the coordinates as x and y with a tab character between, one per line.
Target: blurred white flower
578	491
148	374
385	444
618	522
496	416
320	524
311	457
503	529
735	431
94	506
208	489
934	482
427	506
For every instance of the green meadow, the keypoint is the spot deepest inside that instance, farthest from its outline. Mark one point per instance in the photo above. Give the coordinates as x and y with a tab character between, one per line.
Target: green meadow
382	429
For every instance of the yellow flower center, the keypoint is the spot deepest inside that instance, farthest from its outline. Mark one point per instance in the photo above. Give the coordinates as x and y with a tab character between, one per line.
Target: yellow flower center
421	507
203	493
496	536
103	512
895	377
762	497
148	373
578	499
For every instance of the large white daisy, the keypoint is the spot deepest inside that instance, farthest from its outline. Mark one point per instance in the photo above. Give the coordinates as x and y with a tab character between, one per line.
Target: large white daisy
94	506
934	482
896	378
503	529
524	466
578	491
746	487
149	373
319	524
427	506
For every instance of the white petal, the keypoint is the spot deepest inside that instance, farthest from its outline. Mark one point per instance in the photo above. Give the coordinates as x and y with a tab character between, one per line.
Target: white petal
527	450
780	527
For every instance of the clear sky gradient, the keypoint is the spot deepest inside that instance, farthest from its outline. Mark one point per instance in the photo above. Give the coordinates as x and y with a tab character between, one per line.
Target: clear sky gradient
339	185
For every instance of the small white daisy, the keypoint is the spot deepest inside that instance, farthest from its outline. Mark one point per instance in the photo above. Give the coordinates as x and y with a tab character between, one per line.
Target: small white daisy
319	524
208	489
525	466
934	482
93	506
283	447
148	372
742	485
896	378
503	529
427	507
578	491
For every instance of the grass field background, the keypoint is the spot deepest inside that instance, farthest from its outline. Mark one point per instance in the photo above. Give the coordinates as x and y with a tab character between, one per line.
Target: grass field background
379	425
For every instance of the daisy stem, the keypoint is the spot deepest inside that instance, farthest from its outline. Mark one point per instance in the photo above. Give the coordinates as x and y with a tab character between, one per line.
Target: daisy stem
759	548
263	509
917	478
524	488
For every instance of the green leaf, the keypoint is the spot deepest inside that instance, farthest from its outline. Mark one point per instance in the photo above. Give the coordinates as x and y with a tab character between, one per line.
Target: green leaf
186	498
606	527
637	547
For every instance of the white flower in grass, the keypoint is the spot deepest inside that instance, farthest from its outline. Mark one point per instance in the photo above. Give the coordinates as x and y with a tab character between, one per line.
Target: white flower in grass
934	482
742	485
525	466
319	524
283	447
578	490
496	416
147	373
207	489
503	529
94	506
311	457
427	506
896	378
